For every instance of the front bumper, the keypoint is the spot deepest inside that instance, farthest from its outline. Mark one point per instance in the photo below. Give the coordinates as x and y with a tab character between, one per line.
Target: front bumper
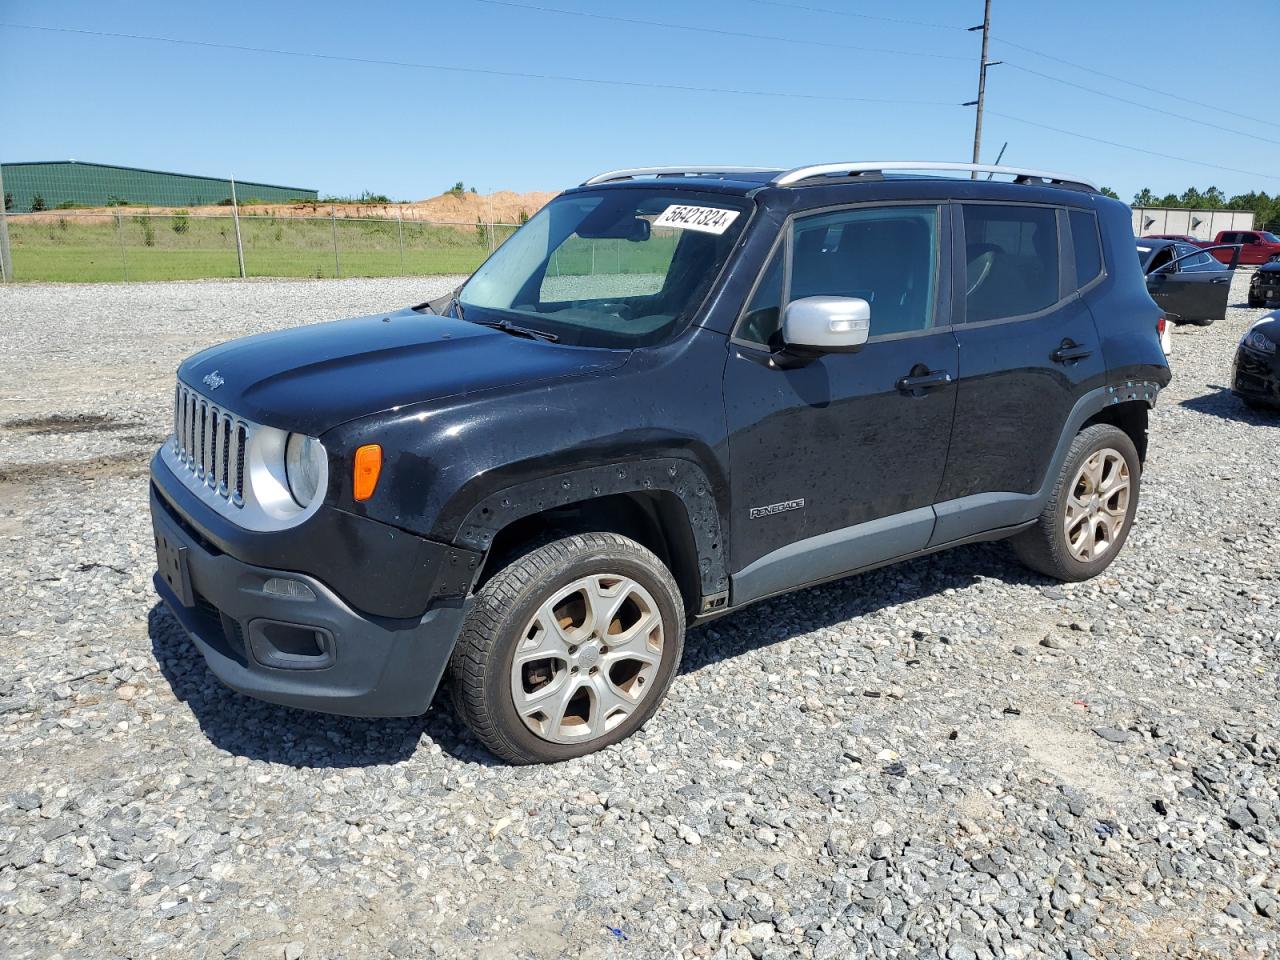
1256	376
1266	291
315	652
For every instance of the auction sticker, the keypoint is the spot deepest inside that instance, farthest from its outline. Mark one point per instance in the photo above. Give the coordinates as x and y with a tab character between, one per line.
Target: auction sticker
702	219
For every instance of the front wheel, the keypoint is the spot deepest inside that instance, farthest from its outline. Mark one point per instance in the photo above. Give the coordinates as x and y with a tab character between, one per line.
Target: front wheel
568	648
1091	508
1257	302
1203	321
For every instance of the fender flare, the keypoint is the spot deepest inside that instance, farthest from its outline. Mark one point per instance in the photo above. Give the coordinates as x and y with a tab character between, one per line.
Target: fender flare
683	478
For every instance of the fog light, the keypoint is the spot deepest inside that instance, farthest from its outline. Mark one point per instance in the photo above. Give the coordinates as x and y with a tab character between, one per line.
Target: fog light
289	589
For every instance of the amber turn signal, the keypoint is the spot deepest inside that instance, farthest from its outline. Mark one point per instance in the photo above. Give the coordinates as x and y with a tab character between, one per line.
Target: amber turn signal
368	466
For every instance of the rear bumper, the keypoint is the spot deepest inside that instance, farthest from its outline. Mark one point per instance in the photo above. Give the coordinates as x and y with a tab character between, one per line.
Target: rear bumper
314	652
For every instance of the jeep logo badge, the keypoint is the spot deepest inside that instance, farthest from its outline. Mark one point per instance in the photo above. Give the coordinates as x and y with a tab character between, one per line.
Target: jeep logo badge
213	381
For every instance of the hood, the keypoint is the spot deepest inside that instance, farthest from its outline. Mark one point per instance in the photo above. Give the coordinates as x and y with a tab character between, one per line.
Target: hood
1268	326
310	379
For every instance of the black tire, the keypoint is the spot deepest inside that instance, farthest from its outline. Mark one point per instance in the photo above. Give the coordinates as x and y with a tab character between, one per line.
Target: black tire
1257	302
1202	322
1044	547
481	665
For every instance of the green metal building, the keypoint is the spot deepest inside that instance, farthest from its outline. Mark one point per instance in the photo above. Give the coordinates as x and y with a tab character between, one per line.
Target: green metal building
70	183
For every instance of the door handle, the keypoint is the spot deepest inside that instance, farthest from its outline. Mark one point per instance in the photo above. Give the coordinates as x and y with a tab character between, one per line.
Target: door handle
924	381
1220	280
1070	352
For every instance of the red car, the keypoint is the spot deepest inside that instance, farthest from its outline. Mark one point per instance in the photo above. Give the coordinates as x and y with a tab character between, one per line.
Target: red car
1256	246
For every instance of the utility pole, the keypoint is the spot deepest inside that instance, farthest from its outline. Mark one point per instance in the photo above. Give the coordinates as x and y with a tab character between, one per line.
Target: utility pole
6	261
982	83
235	216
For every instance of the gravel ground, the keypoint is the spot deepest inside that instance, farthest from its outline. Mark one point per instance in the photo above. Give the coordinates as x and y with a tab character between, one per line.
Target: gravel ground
945	759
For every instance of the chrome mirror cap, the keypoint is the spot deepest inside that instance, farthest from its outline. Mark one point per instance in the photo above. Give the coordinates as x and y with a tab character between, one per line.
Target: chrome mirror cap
827	324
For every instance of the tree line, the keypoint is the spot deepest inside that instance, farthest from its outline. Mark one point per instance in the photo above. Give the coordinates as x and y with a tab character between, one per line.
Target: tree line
1265	207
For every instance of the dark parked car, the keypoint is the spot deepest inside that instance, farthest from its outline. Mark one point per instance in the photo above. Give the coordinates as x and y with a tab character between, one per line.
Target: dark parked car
1184	237
1186	281
670	394
1265	284
1255	375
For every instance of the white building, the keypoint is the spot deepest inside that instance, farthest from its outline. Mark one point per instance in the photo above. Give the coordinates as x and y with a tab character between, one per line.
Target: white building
1201	224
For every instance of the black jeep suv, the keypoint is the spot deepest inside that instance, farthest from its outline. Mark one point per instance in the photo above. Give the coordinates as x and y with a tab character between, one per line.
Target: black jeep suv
672	393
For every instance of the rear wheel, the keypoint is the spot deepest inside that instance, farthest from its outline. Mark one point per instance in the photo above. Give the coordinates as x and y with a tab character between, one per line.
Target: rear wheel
1203	321
568	648
1090	510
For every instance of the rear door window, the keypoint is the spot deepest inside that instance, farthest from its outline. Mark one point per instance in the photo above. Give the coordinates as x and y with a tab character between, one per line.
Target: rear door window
1011	258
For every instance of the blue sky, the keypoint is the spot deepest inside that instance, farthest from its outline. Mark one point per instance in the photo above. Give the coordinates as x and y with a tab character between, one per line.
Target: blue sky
411	133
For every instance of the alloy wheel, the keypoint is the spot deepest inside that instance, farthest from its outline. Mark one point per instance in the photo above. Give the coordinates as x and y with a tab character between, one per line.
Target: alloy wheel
1098	506
587	659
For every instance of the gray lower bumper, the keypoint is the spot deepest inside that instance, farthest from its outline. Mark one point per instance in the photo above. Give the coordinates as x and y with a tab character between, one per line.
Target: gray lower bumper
358	665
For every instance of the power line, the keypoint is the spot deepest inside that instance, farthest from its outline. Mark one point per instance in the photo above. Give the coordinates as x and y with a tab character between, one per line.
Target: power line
1216	107
739	34
1126	146
483	71
861	16
1140	104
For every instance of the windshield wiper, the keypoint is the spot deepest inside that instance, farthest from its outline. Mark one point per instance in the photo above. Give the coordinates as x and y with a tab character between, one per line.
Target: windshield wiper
456	304
506	326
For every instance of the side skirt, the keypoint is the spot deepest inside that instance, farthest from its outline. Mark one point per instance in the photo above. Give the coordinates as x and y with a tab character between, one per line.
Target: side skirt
741	601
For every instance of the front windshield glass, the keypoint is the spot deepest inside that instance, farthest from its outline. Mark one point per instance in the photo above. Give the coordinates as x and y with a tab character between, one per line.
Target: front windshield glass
620	267
1270	237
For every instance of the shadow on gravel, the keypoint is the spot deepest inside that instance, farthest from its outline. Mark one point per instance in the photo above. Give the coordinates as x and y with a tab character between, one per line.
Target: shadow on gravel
263	731
251	728
1227	406
783	618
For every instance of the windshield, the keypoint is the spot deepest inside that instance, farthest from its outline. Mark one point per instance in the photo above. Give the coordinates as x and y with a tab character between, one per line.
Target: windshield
610	268
1269	237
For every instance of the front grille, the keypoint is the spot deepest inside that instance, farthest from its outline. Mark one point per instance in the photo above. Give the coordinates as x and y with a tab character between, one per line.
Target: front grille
210	442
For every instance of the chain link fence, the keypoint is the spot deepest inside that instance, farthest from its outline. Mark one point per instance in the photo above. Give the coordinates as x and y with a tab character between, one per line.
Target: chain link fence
128	244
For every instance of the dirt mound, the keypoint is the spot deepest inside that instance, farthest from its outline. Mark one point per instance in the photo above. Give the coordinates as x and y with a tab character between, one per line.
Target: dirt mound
504	206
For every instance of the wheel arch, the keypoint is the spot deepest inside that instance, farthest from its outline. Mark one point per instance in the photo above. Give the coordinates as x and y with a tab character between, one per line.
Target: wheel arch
667	505
1131	416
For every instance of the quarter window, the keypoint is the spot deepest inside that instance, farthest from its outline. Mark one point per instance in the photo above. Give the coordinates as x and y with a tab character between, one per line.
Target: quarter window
1011	257
1087	248
764	314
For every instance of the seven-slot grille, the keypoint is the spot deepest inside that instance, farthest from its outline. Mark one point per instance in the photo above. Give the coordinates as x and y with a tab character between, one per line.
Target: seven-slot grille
210	442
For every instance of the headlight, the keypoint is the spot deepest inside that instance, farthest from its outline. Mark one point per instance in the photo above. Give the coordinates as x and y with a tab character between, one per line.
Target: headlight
1256	341
305	467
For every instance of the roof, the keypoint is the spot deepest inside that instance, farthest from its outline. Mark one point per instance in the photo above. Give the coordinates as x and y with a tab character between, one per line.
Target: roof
162	173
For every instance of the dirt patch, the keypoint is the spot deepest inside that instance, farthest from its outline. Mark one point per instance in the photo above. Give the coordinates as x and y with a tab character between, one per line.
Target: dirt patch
1073	755
64	423
129	464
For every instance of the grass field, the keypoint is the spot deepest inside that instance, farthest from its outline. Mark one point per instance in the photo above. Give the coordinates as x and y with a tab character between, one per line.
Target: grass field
81	248
187	248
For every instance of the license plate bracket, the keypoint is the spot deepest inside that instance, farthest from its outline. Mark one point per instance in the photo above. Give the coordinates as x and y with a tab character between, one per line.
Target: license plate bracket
171	562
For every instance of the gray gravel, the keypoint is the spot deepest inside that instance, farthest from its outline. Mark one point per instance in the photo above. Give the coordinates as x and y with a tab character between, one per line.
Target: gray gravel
945	759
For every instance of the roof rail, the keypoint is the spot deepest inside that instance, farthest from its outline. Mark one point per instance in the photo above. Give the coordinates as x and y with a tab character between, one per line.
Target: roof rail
689	170
800	174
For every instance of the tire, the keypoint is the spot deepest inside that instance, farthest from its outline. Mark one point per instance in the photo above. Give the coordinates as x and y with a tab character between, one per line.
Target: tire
586	694
1202	322
1046	548
1257	302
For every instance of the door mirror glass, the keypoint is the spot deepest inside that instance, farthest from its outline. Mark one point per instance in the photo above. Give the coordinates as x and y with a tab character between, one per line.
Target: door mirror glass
827	324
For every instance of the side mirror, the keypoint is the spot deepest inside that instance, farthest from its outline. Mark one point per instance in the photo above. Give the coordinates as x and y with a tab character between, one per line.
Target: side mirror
817	325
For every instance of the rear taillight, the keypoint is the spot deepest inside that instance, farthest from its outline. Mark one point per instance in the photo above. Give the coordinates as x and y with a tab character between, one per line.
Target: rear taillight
1160	325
